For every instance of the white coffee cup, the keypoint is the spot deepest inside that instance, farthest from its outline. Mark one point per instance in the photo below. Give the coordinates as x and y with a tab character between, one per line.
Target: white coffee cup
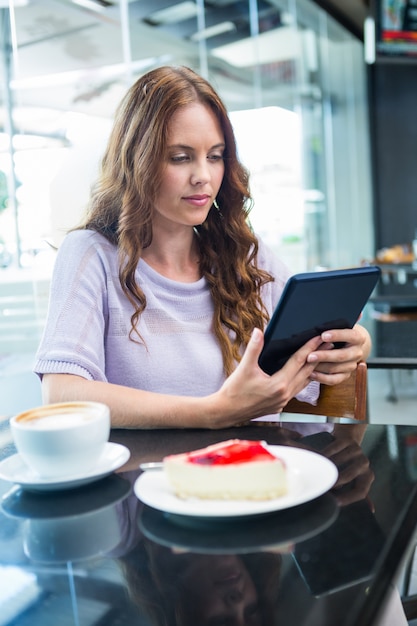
61	440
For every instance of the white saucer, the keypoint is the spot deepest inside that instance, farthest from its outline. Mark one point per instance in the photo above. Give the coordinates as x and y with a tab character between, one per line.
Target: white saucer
14	470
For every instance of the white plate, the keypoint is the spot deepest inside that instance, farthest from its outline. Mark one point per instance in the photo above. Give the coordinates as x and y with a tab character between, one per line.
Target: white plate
14	470
309	476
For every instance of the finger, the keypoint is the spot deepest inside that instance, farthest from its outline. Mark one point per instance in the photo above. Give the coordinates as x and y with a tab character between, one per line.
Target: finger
345	445
295	363
351	454
359	491
352	470
301	356
349	473
326	346
350	336
342	443
348	354
329	378
254	347
296	371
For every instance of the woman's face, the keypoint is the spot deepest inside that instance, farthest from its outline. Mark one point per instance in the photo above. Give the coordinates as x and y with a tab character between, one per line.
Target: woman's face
221	592
193	167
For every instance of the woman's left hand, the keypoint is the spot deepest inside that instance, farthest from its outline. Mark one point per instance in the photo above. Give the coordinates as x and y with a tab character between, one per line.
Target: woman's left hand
336	365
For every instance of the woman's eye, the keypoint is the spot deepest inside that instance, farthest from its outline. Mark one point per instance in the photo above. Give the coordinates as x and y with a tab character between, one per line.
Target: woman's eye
179	158
215	157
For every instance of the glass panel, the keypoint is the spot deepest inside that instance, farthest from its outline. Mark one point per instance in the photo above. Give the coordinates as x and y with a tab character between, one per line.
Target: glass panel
72	64
292	78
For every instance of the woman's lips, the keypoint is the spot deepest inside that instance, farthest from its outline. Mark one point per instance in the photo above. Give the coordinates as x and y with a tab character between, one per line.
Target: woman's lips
197	200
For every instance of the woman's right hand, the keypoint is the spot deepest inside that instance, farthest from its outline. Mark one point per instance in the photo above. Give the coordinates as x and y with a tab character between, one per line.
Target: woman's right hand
249	392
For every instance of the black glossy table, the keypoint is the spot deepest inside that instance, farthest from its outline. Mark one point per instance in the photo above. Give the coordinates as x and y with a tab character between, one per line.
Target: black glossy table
95	555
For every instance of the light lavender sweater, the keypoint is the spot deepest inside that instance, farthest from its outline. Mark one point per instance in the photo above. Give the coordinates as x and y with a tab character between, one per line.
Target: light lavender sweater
88	323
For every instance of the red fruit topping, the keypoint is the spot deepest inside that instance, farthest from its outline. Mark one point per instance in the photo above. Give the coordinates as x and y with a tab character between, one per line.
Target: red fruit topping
233	452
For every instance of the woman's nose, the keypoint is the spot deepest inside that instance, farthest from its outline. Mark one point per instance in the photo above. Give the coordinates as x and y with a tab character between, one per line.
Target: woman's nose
233	596
200	173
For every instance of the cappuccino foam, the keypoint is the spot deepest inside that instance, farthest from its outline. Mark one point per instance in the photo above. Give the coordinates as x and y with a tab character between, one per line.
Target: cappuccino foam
65	420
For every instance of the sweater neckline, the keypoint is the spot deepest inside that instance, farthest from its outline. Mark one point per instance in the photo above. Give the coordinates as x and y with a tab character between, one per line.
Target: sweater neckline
162	280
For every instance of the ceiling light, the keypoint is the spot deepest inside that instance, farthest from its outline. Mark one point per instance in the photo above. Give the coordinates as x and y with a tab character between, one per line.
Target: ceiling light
279	44
213	31
176	13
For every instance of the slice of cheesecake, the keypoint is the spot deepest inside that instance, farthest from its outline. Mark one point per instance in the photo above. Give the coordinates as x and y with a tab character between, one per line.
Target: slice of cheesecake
230	470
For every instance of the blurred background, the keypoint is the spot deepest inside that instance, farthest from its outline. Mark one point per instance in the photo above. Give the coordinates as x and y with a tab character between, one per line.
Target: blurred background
323	109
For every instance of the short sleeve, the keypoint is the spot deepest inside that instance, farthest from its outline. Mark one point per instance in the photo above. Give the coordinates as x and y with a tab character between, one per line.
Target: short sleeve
73	337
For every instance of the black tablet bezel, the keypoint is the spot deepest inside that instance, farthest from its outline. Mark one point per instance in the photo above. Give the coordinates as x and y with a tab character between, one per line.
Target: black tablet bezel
311	303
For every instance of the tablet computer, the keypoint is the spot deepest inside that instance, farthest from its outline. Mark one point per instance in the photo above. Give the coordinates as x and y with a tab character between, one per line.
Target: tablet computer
311	303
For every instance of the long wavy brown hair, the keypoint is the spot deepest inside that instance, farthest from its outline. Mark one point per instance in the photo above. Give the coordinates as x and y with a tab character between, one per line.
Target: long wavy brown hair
122	201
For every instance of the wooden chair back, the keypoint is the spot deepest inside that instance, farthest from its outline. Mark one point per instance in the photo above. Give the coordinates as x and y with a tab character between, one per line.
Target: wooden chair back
346	400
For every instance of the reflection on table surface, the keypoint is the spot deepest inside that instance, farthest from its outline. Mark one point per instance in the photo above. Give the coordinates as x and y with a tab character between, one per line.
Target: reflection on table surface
98	555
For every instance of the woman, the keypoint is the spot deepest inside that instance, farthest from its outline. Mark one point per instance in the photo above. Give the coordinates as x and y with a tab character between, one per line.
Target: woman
159	300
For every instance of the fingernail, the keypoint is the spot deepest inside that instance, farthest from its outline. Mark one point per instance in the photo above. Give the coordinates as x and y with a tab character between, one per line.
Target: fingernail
256	335
326	336
312	358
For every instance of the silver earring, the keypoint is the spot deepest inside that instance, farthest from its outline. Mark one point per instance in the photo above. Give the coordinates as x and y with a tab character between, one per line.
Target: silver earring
216	206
